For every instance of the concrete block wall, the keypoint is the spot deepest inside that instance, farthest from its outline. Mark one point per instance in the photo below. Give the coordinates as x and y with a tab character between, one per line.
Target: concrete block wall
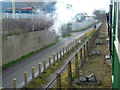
13	47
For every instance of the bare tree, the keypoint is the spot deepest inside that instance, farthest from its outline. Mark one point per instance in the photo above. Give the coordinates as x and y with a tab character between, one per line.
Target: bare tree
99	14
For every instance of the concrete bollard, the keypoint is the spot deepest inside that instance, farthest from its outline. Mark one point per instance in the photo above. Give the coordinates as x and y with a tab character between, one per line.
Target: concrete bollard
69	75
14	83
63	52
57	56
44	66
49	61
33	74
58	81
54	59
40	72
76	66
26	80
60	54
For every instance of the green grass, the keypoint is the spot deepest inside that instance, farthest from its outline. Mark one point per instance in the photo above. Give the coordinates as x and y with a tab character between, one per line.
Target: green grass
68	35
5	66
43	80
93	65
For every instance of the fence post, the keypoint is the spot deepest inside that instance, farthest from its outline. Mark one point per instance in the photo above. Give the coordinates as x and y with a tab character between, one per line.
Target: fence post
88	48
76	42
68	48
33	74
58	81
76	66
40	73
57	56
49	61
89	44
69	75
44	66
63	52
15	83
81	60
60	54
26	80
84	54
54	58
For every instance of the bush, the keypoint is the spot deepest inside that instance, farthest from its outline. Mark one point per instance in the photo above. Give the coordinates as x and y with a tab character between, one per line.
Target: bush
22	25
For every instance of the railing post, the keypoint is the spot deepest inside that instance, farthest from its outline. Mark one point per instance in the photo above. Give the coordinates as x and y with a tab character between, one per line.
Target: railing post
15	83
63	52
69	75
49	61
60	54
57	56
66	51
76	42
88	48
81	60
26	80
76	66
44	66
40	73
54	59
33	74
68	48
58	81
84	54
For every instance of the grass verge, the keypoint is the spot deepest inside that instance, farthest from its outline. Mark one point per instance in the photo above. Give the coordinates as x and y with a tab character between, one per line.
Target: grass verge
95	65
68	35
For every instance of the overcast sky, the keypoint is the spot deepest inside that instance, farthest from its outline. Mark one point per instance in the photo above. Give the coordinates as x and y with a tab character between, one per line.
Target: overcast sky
81	5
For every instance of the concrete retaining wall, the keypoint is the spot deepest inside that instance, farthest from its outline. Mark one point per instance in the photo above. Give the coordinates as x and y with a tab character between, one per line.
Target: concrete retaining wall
18	45
83	25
